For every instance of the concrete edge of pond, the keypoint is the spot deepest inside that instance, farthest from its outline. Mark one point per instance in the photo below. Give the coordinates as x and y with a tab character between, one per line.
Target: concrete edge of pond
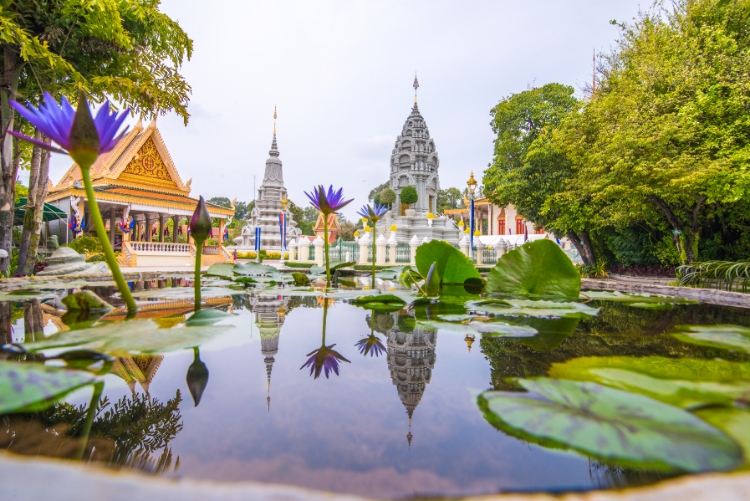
31	478
710	296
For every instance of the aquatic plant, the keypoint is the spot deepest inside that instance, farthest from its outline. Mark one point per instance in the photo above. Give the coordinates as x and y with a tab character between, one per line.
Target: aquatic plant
84	138
727	275
372	214
324	359
200	229
197	377
372	345
327	203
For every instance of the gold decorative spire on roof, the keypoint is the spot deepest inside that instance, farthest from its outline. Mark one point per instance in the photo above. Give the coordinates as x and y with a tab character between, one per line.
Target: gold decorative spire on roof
274	119
469	339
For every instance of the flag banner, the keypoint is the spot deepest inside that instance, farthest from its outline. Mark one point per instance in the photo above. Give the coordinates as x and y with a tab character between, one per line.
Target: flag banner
282	230
257	239
471	227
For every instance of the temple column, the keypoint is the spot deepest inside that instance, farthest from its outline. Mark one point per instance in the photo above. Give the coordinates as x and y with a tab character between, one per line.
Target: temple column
161	228
149	228
112	225
221	232
174	229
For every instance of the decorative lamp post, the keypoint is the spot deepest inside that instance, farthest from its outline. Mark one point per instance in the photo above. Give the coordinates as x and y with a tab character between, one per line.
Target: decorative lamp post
472	184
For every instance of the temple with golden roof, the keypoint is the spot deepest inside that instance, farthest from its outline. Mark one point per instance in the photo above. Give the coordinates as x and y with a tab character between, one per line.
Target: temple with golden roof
138	190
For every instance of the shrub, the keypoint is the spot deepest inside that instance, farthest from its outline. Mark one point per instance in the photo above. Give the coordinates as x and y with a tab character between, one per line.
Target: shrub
296	264
387	196
86	245
409	195
247	255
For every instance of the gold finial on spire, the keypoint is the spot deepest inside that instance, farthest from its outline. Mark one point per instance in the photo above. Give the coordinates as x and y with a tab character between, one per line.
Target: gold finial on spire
274	119
416	86
469	339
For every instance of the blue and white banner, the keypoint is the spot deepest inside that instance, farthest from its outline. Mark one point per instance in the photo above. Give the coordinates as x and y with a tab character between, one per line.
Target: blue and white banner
257	239
282	230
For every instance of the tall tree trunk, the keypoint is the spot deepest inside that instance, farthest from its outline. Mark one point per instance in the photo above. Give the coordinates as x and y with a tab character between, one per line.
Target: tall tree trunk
32	221
8	167
582	243
677	225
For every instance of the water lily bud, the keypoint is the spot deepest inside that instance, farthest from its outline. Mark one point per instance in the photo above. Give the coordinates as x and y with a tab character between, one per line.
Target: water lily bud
432	282
197	378
200	223
84	139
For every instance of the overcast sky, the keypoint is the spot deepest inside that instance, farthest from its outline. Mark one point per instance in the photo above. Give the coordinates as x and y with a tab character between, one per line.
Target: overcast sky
341	74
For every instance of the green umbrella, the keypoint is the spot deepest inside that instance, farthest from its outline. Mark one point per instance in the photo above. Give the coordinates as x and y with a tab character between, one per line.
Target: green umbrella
50	212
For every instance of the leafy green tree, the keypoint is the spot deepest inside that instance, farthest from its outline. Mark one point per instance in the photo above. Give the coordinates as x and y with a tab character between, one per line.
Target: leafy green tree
664	141
125	50
408	195
528	170
376	190
450	198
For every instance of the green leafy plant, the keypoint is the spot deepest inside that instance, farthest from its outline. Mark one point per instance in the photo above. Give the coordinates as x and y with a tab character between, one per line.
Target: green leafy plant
598	270
538	268
408	195
725	275
451	265
85	245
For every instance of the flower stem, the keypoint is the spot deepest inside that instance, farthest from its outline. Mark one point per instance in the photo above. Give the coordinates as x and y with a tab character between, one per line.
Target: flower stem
109	254
325	246
325	314
374	238
197	280
89	420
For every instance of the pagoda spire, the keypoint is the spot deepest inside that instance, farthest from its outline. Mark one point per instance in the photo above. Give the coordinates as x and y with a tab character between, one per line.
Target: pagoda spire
274	148
416	86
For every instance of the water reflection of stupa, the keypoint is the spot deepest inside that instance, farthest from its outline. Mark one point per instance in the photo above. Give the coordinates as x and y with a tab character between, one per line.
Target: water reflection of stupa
269	317
411	359
137	369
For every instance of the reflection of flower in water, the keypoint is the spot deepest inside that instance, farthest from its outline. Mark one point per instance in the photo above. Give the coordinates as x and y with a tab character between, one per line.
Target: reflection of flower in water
197	377
324	359
372	345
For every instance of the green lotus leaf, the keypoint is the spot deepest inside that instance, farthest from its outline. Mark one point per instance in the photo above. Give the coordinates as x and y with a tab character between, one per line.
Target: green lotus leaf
299	278
224	270
536	269
622	297
728	337
453	266
499	329
609	425
34	387
379	298
207	317
734	422
253	269
25	295
533	308
85	301
142	336
682	382
172	293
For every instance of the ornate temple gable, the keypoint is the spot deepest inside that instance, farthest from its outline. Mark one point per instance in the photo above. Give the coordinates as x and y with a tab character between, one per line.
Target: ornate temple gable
148	167
148	162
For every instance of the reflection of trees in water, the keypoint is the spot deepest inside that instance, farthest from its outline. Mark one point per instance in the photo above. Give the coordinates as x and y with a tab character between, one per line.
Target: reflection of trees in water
126	434
383	321
604	476
300	302
618	330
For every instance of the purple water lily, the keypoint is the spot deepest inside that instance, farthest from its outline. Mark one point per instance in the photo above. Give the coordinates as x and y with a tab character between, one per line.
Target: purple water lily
327	203
373	213
200	222
324	359
372	345
57	121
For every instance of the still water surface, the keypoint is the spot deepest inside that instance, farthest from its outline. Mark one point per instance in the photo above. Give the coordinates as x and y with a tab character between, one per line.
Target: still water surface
399	424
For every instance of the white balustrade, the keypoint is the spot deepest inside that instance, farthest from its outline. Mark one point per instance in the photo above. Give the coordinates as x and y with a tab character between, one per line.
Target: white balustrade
161	247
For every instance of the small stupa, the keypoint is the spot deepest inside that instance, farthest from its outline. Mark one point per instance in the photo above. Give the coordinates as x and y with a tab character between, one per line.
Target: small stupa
269	205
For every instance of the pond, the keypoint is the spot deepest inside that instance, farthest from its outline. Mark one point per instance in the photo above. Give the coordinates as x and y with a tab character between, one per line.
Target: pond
445	397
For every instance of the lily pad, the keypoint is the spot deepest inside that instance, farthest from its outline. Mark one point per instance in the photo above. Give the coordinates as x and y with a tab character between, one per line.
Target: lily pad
533	308
300	278
207	317
85	301
728	337
499	329
621	297
253	269
452	266
734	422
224	270
171	293
25	295
132	337
33	387
537	269
682	382
609	425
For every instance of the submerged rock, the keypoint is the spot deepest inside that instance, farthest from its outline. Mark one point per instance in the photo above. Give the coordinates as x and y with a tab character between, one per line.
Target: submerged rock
66	261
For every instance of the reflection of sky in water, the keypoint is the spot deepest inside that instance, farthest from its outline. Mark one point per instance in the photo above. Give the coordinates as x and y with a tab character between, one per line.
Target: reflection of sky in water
347	433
